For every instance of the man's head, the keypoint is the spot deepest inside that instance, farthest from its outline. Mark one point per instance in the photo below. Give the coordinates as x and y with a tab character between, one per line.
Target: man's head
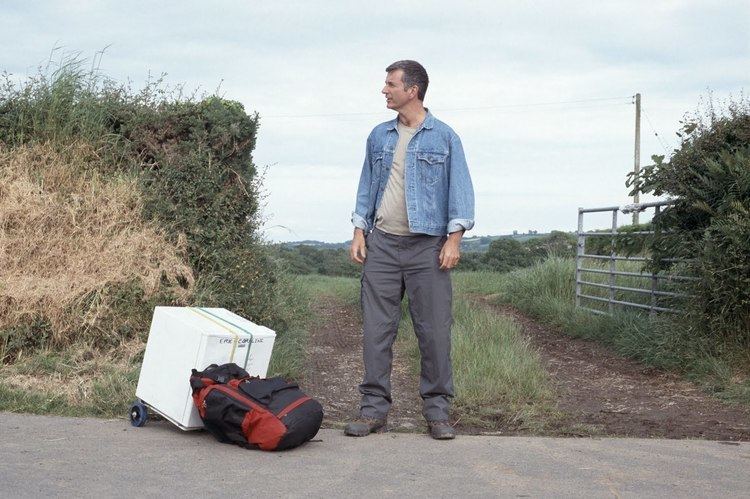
406	82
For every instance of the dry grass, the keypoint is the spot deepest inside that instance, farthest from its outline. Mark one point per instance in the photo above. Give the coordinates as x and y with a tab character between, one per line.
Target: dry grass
69	237
73	372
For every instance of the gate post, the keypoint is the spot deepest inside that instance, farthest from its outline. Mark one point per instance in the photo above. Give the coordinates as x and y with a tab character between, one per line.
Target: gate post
613	263
654	279
579	252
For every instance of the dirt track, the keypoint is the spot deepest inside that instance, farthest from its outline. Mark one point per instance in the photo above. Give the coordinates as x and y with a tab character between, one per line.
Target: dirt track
605	394
599	393
334	370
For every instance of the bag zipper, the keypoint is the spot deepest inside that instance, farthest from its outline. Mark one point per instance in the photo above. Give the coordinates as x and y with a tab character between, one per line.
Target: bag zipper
254	405
286	410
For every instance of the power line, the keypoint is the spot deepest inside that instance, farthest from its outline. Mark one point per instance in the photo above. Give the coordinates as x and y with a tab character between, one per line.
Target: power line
663	144
533	104
480	108
496	112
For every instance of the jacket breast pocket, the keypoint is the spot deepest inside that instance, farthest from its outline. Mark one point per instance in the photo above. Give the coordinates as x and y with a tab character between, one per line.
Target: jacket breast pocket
431	166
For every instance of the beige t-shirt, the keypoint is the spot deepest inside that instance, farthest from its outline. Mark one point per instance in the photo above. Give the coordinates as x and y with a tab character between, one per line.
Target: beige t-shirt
391	216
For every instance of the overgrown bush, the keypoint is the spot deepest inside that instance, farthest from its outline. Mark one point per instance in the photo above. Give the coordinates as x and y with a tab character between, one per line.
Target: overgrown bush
709	175
305	259
508	254
190	164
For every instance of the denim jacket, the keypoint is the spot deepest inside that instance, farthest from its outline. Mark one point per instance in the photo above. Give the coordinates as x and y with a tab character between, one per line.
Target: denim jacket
439	193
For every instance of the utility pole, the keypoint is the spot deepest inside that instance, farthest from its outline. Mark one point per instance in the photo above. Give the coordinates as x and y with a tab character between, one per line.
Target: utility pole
637	156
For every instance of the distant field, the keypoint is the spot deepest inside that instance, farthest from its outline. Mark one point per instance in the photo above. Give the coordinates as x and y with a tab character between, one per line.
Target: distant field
473	243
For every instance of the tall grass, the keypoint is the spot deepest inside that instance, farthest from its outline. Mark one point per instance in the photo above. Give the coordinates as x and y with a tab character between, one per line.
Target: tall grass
68	102
290	347
499	379
546	291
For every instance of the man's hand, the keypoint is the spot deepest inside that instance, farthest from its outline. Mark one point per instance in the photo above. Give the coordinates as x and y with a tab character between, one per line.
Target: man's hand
451	251
358	251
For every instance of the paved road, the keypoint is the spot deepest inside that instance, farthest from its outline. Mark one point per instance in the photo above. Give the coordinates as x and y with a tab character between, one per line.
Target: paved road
51	456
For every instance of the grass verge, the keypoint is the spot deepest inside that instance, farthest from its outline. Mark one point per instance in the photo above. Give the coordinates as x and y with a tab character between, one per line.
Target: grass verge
75	381
546	292
79	380
499	379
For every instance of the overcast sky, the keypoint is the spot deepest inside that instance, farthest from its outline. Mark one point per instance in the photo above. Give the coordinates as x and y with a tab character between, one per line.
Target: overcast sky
502	74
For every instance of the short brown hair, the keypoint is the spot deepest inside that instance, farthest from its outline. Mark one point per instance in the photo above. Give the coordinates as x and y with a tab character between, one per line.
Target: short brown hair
414	74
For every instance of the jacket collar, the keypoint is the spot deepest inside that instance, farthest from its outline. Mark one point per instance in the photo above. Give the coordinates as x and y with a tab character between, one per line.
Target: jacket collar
428	122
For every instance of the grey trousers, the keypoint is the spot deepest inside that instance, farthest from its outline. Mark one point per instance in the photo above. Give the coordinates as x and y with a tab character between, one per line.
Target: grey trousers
394	265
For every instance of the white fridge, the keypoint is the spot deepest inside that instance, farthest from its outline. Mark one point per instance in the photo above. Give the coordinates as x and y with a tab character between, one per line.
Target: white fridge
186	338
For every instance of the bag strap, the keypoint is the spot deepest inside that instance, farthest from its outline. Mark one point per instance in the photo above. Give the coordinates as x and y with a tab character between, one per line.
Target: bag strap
221	374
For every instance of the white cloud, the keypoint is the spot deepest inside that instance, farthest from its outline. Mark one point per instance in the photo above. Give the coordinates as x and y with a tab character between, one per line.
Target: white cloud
532	166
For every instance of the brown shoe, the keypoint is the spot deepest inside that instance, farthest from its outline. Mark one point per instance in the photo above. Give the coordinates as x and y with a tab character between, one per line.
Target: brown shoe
441	430
362	427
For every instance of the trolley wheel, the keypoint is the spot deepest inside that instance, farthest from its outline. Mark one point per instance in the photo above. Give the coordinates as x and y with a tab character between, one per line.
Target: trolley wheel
138	414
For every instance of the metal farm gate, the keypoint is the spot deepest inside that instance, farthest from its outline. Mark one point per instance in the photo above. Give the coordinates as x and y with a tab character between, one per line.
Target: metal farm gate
652	283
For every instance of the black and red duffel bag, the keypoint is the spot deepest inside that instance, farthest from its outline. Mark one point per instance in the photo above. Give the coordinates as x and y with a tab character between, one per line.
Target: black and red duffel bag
270	414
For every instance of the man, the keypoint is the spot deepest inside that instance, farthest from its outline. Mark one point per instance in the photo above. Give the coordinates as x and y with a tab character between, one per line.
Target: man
414	202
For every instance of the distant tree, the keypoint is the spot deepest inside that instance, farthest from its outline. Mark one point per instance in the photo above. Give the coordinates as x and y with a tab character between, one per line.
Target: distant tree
336	262
472	261
305	259
312	256
558	243
506	254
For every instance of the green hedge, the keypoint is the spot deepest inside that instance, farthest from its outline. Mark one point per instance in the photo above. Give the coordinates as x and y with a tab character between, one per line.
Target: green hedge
194	164
710	177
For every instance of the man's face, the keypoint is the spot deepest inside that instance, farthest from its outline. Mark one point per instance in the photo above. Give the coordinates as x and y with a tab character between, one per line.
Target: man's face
396	96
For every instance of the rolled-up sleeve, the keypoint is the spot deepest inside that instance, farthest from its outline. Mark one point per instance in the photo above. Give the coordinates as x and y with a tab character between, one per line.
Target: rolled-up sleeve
460	190
363	202
358	221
